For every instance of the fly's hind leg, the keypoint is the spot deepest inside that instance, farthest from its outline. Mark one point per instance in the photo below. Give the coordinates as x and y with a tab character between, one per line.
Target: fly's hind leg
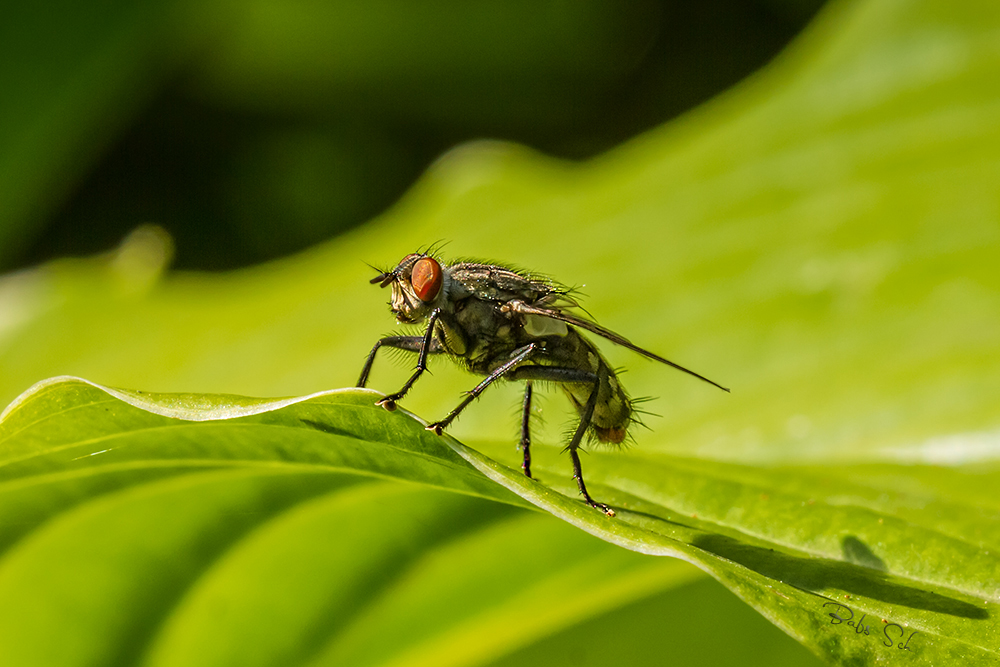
526	430
557	374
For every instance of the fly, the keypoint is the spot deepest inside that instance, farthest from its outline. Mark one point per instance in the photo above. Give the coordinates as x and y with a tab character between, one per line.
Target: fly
504	323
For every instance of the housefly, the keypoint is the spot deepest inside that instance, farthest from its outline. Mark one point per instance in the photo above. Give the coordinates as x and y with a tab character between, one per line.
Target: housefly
504	323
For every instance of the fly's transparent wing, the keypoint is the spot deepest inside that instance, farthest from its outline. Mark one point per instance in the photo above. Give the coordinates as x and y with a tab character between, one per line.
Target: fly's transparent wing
593	327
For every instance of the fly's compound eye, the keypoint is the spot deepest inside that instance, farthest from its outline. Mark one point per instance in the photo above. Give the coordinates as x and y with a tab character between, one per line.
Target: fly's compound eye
426	278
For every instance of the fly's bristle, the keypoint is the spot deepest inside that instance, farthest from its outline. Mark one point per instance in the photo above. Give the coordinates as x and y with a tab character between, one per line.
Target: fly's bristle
535	416
434	248
637	420
399	357
641	411
569	430
636	416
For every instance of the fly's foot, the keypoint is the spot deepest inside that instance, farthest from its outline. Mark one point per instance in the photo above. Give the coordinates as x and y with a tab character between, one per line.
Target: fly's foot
578	476
526	457
437	427
389	403
601	506
593	503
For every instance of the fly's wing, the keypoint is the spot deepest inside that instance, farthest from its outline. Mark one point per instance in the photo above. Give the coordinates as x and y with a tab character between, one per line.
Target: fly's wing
556	313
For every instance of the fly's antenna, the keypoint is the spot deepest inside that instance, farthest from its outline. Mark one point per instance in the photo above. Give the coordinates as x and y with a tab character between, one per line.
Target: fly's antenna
384	278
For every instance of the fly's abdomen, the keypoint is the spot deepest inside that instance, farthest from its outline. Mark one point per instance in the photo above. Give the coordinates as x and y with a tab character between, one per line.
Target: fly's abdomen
613	409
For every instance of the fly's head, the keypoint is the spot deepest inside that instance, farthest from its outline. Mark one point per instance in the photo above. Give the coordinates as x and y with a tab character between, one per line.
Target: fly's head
419	285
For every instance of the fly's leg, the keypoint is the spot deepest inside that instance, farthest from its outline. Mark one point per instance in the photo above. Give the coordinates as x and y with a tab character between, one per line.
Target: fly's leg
574	445
556	374
578	476
526	431
408	343
389	402
519	355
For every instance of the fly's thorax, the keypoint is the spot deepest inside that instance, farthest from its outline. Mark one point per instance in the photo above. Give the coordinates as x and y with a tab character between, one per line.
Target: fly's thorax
488	336
451	337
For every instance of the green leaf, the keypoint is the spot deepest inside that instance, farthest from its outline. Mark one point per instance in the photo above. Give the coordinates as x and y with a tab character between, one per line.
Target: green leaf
822	552
183	529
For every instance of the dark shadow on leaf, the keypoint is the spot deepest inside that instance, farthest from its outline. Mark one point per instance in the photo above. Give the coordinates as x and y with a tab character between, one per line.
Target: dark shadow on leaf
816	574
327	427
403	441
654	522
857	552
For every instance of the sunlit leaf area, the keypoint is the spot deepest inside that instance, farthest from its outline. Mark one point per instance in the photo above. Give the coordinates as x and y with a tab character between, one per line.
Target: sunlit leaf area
801	202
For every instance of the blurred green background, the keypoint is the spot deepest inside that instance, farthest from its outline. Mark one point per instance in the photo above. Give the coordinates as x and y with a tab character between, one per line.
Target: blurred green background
253	130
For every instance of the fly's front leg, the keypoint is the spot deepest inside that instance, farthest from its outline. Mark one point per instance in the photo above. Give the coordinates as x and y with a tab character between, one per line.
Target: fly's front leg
516	357
426	345
408	343
556	374
526	431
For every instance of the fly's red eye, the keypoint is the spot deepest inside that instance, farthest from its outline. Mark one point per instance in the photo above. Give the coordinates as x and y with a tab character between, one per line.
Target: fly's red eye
426	278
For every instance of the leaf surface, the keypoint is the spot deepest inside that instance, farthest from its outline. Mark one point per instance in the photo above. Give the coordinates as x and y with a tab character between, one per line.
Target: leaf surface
226	491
